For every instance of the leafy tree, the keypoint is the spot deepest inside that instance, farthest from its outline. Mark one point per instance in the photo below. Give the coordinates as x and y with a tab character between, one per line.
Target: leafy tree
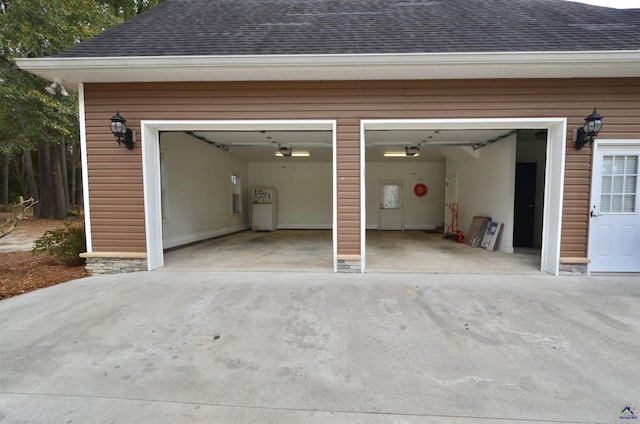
128	8
32	120
38	131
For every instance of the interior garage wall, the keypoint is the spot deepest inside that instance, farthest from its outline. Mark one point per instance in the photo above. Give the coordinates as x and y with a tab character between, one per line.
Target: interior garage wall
305	192
197	193
486	188
419	213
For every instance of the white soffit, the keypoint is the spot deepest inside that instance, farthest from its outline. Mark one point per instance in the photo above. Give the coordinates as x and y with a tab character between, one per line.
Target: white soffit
601	64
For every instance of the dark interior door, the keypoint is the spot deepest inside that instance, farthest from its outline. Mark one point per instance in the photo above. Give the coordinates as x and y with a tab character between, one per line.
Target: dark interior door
525	204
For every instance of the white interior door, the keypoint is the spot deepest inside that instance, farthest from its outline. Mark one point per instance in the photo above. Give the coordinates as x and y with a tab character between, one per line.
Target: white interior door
390	205
614	230
451	196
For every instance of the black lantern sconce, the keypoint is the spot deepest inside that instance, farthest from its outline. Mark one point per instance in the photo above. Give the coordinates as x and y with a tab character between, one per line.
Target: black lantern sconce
120	131
589	131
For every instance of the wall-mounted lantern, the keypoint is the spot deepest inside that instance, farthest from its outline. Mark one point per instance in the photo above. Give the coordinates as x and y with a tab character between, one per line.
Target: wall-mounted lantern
589	131
119	129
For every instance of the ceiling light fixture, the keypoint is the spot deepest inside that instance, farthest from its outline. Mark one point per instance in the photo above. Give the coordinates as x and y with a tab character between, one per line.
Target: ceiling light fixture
51	89
285	151
412	150
296	154
399	155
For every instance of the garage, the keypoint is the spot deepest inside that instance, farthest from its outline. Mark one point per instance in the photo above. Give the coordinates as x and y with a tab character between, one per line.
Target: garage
489	74
204	175
426	178
208	174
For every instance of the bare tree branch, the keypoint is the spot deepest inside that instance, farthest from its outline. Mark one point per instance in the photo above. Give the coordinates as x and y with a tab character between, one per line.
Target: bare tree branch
17	215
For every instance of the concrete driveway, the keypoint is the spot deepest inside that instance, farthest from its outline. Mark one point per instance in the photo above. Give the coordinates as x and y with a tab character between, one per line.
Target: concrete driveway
177	347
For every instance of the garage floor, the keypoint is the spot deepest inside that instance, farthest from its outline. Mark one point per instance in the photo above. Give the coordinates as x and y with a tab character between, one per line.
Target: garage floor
311	250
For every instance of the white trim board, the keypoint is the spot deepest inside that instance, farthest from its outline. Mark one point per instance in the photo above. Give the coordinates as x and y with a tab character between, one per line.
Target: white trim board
554	170
325	67
85	169
150	145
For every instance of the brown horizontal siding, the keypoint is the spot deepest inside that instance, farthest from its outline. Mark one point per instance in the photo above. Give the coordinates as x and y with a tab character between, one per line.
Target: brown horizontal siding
348	174
577	186
115	174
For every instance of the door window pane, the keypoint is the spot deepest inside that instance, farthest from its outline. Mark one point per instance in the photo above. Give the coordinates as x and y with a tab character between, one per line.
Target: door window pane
619	184
606	184
391	196
629	204
618	164
616	203
630	186
605	204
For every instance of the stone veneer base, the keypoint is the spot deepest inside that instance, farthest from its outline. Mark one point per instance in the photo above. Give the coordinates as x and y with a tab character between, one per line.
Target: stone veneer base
114	263
574	266
348	263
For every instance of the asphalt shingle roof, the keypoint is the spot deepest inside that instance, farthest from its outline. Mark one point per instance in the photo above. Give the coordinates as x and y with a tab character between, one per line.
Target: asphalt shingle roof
290	27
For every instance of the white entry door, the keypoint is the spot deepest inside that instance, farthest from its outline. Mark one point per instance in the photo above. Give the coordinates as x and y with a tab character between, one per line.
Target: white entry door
450	197
390	205
614	230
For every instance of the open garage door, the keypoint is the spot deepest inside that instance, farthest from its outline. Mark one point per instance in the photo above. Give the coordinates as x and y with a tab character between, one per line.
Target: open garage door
203	184
451	174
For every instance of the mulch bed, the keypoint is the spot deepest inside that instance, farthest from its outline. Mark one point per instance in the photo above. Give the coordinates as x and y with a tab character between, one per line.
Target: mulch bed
22	271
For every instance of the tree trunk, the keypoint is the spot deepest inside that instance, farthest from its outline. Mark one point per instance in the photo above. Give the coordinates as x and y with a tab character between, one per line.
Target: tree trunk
59	198
76	175
31	180
20	174
5	181
65	176
28	165
72	178
47	196
79	199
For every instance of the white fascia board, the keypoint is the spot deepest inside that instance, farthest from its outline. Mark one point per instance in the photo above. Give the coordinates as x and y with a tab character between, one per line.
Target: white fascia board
337	67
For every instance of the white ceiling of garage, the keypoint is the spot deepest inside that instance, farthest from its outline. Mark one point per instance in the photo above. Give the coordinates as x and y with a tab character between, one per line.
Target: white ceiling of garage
261	146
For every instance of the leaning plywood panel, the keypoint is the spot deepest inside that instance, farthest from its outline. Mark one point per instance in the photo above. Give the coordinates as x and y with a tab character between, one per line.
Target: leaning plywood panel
476	231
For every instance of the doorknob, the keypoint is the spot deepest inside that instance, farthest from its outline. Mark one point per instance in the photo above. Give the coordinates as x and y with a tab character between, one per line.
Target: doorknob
594	215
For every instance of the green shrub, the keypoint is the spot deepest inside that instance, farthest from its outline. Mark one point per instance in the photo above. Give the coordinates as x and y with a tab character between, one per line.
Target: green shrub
65	244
